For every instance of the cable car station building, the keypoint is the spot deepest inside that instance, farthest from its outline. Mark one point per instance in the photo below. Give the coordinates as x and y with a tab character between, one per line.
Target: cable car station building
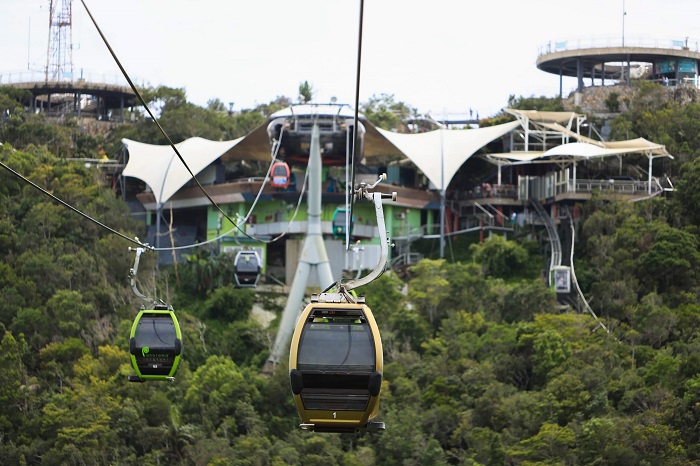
541	166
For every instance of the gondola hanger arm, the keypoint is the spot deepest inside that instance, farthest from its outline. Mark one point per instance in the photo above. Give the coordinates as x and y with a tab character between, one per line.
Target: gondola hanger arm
134	270
364	192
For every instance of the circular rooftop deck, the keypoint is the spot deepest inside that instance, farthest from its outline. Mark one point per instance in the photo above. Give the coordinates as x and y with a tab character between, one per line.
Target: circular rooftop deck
107	94
114	96
604	58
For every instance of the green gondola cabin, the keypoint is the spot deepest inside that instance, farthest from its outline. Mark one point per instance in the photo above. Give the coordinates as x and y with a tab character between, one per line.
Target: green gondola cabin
155	344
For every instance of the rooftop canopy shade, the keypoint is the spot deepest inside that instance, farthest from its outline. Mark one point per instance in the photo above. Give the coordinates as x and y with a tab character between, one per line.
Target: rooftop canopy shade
582	150
564	118
161	169
514	157
560	129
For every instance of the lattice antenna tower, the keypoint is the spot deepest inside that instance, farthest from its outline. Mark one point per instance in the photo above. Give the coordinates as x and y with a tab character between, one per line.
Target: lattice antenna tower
59	57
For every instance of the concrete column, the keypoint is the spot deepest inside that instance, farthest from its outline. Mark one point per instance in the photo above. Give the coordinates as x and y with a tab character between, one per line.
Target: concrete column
561	82
579	74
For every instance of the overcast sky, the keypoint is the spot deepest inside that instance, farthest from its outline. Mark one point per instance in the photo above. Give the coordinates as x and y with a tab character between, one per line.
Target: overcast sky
443	57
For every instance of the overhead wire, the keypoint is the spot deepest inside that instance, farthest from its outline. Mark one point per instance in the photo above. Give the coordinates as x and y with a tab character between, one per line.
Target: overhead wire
172	145
160	128
203	243
65	204
135	240
348	214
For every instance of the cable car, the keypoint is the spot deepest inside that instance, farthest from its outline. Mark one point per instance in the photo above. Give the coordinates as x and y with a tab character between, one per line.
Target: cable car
247	267
336	365
339	223
280	175
155	344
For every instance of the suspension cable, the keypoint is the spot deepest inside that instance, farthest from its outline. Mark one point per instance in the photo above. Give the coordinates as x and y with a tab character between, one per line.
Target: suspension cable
65	204
172	145
160	128
146	246
348	215
203	243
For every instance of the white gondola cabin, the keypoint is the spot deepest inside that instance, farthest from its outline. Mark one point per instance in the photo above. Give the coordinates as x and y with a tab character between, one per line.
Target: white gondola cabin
247	267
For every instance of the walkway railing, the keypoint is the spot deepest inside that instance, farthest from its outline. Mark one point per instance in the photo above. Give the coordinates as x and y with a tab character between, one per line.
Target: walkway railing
615	186
405	259
27	76
614	42
581	186
485	191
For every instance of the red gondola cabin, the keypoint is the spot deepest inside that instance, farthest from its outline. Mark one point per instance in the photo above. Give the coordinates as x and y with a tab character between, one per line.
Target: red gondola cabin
280	175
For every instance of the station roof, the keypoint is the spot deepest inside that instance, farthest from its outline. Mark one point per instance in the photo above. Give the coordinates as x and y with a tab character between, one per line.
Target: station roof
160	168
438	154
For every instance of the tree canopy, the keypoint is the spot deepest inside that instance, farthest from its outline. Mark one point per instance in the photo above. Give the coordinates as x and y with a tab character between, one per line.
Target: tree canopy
482	367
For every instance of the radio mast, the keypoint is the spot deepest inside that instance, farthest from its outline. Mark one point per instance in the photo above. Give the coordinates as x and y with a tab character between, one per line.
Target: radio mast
59	57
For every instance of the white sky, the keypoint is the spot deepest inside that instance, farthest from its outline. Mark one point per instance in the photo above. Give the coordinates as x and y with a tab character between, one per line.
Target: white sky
441	56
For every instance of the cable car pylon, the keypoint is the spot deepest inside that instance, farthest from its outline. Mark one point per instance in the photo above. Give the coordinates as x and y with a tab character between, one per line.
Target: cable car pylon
313	256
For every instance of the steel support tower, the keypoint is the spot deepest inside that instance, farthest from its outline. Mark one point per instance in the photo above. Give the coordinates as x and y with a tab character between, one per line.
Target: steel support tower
59	54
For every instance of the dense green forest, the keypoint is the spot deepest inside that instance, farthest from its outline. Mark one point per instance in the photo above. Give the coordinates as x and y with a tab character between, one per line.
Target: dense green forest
481	365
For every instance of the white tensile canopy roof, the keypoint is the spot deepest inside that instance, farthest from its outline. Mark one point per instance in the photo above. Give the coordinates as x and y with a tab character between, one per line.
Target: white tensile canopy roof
584	150
587	151
443	147
160	168
438	154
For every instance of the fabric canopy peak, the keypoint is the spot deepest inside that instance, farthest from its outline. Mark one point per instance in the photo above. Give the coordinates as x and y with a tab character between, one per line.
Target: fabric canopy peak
439	154
160	168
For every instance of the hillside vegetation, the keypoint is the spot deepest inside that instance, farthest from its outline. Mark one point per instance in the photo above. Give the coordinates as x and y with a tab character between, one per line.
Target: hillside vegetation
481	367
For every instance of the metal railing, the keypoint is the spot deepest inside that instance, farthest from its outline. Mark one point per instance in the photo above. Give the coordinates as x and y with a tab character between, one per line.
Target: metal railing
555	46
486	190
27	76
615	186
301	227
405	259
